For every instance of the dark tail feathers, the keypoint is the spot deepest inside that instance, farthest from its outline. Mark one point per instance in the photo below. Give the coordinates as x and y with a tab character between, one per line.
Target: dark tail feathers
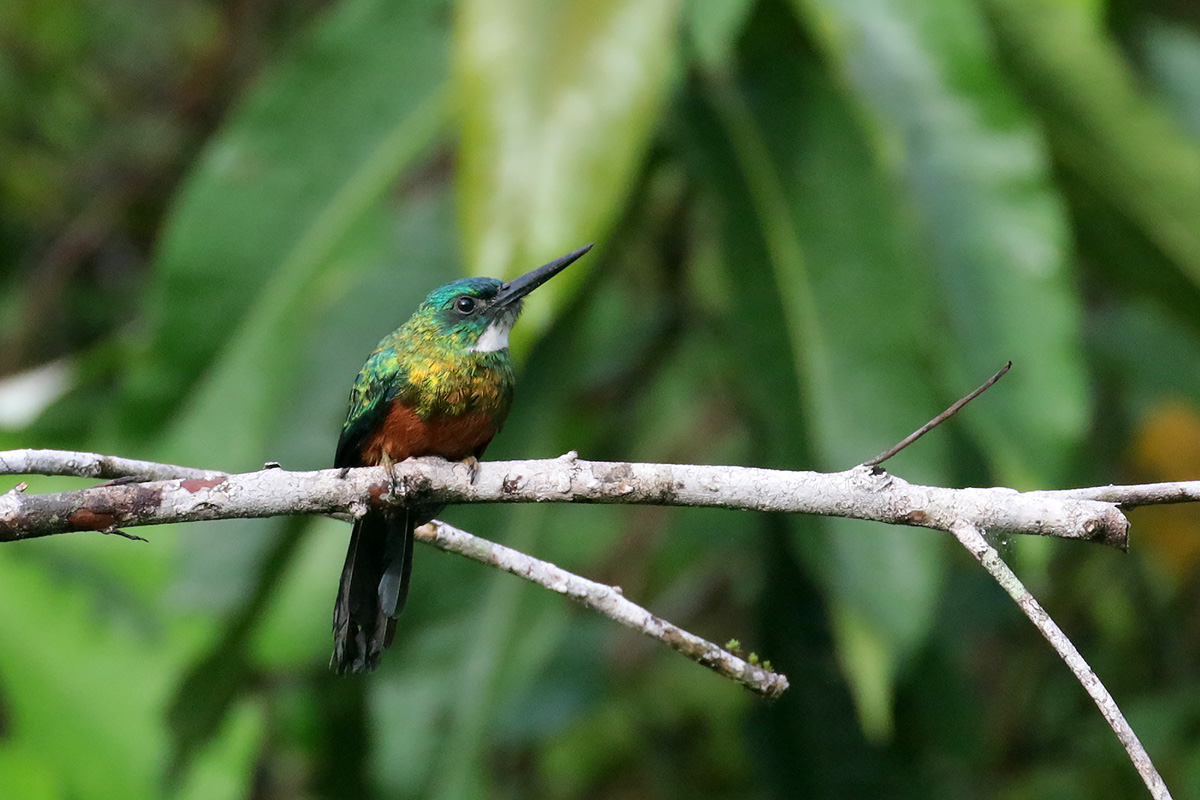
373	589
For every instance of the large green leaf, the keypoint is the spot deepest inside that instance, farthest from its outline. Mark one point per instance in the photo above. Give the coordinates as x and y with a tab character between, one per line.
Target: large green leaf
309	152
1121	247
211	687
712	27
82	690
1103	125
853	306
558	103
1173	61
1112	136
974	168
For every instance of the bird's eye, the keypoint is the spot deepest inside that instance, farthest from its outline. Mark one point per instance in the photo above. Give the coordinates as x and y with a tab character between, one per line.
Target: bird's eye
464	304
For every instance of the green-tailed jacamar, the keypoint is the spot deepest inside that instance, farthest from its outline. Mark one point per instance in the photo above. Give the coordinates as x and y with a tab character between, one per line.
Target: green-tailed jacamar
440	385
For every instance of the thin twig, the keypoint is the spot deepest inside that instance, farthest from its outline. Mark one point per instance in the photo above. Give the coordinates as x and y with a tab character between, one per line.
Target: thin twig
133	537
938	420
606	600
1134	496
94	465
972	538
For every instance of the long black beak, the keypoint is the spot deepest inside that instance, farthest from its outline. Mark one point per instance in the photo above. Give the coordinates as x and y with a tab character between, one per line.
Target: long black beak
517	288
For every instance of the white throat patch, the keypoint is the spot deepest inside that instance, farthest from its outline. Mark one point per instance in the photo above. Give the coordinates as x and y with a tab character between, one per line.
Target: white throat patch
494	338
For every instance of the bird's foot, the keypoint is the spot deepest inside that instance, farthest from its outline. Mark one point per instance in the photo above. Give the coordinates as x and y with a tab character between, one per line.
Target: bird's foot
387	463
472	464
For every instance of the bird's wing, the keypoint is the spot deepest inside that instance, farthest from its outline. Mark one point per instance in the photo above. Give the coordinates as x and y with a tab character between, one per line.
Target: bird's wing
381	378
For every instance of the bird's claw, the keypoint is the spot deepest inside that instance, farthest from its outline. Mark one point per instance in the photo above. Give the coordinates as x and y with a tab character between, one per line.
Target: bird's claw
472	464
387	463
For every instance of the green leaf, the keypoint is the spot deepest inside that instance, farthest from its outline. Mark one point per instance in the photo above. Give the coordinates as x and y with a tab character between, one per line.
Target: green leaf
1101	123
215	681
854	306
227	769
24	775
559	102
1173	61
972	164
291	634
82	691
713	27
308	154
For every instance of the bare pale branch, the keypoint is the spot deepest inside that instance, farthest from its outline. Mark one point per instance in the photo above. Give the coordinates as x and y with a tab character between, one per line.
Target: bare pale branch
859	493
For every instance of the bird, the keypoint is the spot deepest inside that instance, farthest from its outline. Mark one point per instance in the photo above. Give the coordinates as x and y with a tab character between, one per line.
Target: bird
439	385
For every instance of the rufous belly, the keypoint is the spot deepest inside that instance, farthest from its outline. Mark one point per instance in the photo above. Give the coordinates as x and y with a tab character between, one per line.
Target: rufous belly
404	434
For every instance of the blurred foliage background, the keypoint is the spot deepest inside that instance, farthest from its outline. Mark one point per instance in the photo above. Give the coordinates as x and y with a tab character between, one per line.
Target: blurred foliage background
819	222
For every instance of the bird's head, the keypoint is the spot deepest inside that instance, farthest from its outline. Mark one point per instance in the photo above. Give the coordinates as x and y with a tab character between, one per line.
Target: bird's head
478	313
